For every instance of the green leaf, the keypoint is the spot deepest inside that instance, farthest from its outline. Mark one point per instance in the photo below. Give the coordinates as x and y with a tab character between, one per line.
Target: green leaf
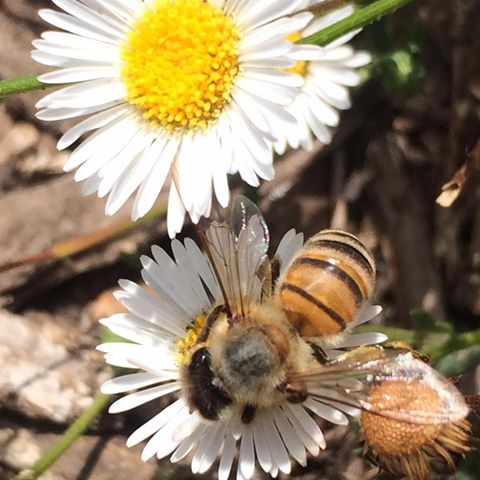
458	362
400	72
424	321
469	467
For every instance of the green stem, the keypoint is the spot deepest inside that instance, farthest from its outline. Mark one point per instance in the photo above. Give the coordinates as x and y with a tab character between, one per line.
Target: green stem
21	85
360	18
67	439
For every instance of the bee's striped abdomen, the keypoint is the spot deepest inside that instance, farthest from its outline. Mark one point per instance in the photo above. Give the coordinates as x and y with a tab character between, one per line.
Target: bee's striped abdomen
326	284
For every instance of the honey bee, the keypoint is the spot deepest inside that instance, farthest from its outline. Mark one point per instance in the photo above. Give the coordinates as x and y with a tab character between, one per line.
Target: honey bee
263	345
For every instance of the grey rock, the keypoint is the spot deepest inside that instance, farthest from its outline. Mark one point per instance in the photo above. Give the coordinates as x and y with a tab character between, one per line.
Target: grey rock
41	378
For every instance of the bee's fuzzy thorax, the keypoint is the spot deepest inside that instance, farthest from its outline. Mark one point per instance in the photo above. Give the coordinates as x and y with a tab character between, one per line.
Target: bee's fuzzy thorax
253	361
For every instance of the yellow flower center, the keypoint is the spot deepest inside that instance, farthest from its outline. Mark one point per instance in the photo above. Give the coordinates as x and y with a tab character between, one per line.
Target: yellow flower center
185	344
300	67
179	63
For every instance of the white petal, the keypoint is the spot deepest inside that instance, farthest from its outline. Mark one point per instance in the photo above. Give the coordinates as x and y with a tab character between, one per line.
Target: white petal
288	246
91	123
275	443
155	423
360	339
162	443
367	314
163	153
78	74
328	413
130	382
101	143
246	459
74	25
190	441
261	445
139	398
307	429
176	212
290	437
91	94
209	448
89	16
227	457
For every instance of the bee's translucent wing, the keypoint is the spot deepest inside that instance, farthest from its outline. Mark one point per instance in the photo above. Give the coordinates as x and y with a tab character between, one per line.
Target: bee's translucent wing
237	247
350	379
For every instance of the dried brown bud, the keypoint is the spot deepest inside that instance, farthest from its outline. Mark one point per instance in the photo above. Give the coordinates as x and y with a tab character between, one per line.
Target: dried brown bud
402	430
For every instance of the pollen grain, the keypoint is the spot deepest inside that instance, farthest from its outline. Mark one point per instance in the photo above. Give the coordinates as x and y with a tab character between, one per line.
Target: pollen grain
184	345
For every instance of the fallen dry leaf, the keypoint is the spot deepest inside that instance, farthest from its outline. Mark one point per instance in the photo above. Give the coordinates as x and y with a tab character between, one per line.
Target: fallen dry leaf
452	189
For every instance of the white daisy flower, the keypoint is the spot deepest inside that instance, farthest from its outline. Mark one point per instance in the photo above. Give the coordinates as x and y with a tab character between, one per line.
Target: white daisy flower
328	73
179	88
166	326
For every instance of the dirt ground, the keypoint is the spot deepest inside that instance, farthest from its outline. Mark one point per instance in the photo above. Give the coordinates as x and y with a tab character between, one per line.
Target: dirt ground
415	122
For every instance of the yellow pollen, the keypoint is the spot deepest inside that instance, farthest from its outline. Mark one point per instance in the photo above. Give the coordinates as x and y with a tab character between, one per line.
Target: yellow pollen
300	67
179	63
185	344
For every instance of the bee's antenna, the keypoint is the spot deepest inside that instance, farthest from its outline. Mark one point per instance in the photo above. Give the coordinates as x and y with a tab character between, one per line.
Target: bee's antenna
211	319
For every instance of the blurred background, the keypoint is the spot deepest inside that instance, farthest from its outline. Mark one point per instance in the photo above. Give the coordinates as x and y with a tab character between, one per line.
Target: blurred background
413	128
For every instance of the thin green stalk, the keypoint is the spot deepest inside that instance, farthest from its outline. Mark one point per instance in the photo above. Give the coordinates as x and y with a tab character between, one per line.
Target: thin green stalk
65	442
360	18
21	85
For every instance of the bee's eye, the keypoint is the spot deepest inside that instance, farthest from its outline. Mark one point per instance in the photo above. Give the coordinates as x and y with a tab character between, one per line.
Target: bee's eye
205	395
200	360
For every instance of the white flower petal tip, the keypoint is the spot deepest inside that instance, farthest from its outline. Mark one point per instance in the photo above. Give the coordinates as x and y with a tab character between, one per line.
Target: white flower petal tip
378	338
368	313
128	144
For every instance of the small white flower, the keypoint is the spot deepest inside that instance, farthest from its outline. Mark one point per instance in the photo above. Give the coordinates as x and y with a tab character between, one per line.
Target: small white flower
185	89
328	73
165	321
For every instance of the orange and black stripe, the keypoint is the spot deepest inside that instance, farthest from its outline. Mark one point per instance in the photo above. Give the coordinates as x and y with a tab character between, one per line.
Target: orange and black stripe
326	284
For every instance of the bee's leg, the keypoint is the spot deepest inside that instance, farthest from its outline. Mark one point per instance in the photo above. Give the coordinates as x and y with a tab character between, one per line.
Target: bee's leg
248	413
211	319
296	393
275	265
268	273
319	353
